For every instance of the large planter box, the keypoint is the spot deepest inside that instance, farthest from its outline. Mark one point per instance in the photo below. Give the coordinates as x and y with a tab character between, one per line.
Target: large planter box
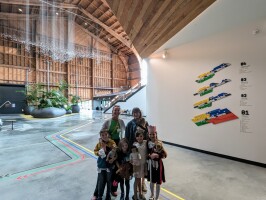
75	108
28	110
48	112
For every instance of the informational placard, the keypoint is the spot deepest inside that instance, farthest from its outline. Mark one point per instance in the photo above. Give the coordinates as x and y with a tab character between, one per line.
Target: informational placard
245	103
245	122
215	116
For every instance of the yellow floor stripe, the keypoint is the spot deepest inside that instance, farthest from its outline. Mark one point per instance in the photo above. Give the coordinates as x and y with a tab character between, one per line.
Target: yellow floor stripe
62	135
88	150
176	196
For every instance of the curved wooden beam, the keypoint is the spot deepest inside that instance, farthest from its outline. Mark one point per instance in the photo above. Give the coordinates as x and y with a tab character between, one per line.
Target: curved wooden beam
39	3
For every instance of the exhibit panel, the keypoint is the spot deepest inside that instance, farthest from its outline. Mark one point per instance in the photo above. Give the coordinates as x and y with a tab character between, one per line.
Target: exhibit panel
219	112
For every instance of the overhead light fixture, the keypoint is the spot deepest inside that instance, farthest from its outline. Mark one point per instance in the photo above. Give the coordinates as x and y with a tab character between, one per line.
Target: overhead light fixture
57	13
164	54
85	23
20	10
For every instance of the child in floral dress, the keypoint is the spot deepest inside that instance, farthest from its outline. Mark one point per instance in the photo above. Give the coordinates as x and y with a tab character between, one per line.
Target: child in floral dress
141	144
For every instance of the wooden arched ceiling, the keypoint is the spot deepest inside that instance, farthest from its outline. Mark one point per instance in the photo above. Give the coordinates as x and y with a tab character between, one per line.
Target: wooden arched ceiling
127	27
150	23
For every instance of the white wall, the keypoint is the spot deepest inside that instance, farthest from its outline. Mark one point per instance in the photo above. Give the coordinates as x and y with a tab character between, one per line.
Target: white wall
171	85
137	100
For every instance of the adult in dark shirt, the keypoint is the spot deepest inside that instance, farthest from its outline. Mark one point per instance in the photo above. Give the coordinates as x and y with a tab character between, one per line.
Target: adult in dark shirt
138	122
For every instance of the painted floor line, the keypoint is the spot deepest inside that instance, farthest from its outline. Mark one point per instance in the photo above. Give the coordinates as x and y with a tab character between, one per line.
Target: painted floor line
77	146
91	152
171	193
74	159
65	142
26	174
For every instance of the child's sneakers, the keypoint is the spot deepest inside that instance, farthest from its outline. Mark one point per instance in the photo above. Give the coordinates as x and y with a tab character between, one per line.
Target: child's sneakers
151	198
94	198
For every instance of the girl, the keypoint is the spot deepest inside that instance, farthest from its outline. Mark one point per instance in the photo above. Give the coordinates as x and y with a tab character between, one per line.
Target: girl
156	153
124	168
141	144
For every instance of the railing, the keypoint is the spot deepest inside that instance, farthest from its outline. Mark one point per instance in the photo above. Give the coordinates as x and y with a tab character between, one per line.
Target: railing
8	104
124	96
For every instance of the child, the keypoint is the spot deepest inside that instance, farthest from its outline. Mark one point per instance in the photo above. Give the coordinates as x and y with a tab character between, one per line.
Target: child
142	149
135	158
156	153
124	168
103	167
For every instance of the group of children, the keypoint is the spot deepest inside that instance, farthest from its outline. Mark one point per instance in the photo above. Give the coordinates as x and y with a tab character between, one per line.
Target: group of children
143	160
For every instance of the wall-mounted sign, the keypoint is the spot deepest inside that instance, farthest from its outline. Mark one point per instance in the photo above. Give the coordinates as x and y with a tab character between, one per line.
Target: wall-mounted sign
208	75
208	102
208	89
215	117
245	103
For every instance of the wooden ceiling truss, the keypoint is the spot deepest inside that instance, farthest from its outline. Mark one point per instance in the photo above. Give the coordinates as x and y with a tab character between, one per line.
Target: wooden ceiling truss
128	27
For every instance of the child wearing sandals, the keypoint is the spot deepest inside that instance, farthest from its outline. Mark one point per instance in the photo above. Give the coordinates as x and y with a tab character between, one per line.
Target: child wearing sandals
156	153
141	145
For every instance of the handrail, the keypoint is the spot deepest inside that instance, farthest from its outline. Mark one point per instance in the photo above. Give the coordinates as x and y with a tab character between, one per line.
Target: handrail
124	96
8	102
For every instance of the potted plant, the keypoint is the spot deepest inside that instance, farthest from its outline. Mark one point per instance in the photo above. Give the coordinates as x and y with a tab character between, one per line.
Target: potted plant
52	103
75	100
32	93
68	108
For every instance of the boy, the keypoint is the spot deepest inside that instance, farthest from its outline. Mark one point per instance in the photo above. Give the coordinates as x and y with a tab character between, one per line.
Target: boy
101	150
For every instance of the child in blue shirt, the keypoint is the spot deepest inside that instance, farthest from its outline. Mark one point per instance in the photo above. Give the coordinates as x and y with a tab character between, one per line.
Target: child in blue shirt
103	167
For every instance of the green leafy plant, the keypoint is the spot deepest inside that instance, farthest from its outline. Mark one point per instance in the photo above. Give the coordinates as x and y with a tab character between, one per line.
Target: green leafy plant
68	107
75	99
52	98
32	93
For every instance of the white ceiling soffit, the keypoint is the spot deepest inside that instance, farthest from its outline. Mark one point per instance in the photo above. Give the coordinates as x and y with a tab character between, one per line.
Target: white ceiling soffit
220	16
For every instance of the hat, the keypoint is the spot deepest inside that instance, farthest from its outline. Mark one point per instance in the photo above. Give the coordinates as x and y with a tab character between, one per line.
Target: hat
152	128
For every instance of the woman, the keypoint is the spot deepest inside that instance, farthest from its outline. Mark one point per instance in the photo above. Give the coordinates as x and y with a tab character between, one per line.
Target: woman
137	123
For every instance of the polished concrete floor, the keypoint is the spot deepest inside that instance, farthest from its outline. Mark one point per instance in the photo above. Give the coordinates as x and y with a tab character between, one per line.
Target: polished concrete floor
52	159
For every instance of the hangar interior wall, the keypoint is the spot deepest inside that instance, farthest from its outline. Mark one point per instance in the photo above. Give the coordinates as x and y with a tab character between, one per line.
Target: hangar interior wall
171	85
